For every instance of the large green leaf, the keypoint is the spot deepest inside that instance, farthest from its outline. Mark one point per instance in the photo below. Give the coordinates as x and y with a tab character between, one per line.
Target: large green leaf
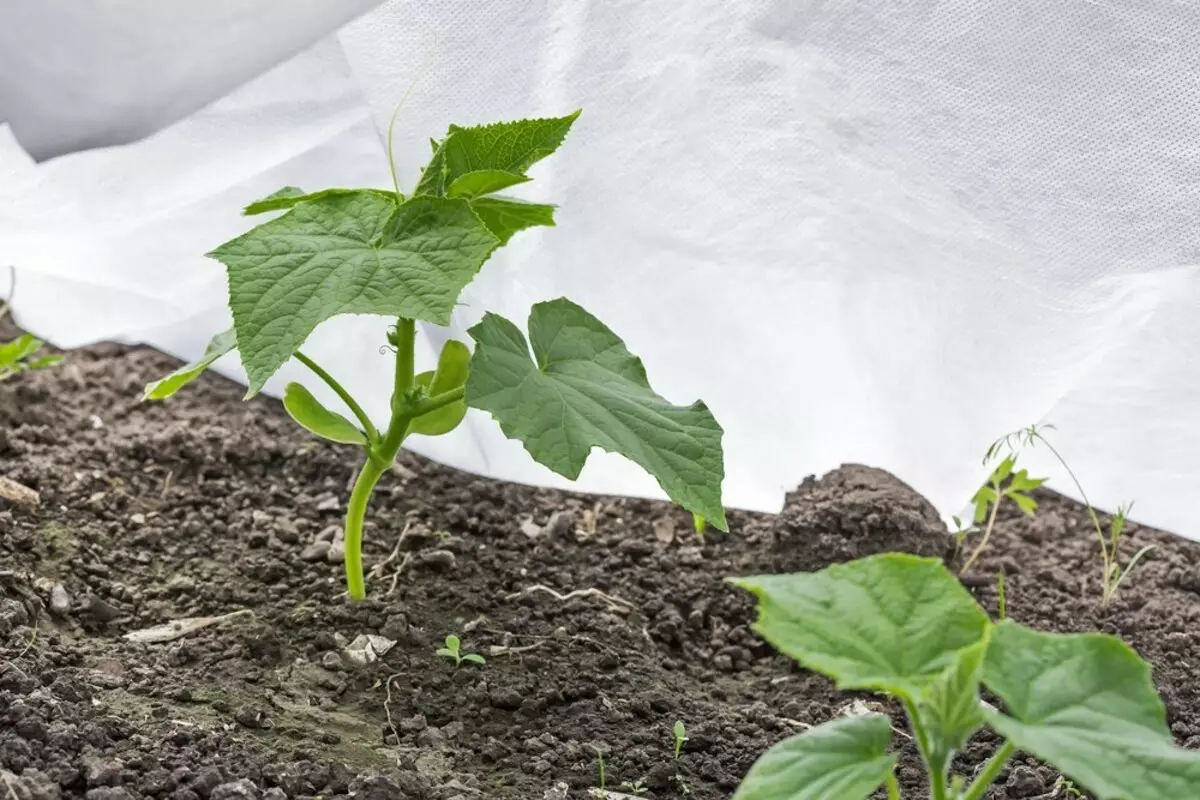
347	253
316	418
505	146
504	216
452	370
219	345
951	705
583	389
1086	704
290	196
891	622
845	759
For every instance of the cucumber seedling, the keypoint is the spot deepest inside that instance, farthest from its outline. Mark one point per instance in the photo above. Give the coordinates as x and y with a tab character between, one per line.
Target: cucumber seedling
569	386
904	626
453	650
21	354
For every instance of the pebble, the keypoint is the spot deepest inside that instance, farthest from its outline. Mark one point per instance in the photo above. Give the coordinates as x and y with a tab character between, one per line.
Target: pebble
561	523
137	519
60	601
437	559
531	529
336	553
315	551
236	790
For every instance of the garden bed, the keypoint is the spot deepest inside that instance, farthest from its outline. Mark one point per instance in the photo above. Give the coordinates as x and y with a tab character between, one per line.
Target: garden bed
206	505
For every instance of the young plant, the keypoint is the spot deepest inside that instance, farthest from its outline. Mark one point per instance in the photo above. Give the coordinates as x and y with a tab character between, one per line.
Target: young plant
600	767
21	355
1005	482
636	788
680	733
568	387
453	649
904	626
1112	573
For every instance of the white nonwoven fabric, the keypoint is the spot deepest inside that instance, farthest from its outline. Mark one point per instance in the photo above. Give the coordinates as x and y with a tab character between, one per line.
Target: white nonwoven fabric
884	233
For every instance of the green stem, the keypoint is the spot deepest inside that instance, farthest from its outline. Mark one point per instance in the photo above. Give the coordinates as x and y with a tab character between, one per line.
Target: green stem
380	457
937	767
991	523
991	771
363	419
1104	554
893	787
438	401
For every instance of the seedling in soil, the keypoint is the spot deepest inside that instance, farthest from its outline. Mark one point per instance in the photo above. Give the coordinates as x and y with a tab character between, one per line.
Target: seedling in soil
636	788
569	386
1005	482
600	767
904	626
21	355
453	649
680	733
1112	573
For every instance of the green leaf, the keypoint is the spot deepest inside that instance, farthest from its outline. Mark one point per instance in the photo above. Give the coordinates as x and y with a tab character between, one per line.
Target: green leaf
444	653
1024	502
19	349
45	362
951	702
356	253
584	389
316	418
219	345
505	216
484	181
505	146
892	622
1004	469
474	658
845	759
1086	704
679	730
453	643
290	196
1021	482
452	371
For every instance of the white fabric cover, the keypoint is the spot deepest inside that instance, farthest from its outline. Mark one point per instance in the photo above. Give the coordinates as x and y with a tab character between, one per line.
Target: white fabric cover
875	232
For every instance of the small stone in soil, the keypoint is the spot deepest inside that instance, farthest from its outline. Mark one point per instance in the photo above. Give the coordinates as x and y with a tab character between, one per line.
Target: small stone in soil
237	790
315	551
437	559
60	601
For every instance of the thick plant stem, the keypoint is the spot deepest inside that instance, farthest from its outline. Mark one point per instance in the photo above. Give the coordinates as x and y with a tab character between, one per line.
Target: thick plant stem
989	773
937	769
380	457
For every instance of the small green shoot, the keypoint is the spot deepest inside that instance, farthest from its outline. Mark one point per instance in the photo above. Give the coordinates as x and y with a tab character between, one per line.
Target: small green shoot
1005	482
636	788
680	733
699	524
1082	703
567	386
453	649
1065	789
21	355
1112	573
600	767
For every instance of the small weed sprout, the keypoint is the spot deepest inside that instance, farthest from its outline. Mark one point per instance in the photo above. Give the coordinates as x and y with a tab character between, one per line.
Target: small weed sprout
1112	573
1001	600
1064	788
600	767
1005	482
569	380
453	649
636	788
680	733
21	354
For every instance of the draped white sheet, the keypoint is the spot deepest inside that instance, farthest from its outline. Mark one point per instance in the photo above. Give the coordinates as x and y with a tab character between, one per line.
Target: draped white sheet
874	232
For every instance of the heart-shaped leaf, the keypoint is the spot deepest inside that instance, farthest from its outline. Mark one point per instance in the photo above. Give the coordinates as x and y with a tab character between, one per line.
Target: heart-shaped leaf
582	389
1086	704
845	759
891	622
309	413
347	253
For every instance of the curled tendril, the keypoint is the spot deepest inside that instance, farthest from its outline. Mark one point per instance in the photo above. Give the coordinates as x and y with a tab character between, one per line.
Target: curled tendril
384	349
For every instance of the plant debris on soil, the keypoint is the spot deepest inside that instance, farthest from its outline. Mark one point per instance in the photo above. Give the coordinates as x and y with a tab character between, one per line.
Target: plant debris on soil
173	618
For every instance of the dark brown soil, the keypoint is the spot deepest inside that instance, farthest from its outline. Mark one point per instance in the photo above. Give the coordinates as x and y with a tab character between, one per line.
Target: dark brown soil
206	505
